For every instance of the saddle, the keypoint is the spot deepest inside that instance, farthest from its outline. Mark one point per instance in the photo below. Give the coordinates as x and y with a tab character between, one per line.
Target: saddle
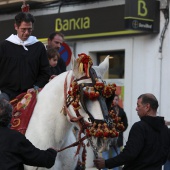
23	106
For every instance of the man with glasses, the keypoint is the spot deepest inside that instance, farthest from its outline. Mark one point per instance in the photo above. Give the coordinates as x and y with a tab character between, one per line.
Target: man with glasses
23	60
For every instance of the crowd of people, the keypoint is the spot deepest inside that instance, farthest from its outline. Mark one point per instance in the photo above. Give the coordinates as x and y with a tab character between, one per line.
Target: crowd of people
27	64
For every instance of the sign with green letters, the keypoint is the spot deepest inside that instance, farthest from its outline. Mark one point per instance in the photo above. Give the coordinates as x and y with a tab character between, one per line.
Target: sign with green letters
141	14
133	18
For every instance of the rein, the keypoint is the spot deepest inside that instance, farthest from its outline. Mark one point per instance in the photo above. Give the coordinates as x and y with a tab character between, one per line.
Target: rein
73	144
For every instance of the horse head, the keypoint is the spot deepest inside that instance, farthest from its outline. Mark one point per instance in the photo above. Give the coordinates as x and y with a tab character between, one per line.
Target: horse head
89	99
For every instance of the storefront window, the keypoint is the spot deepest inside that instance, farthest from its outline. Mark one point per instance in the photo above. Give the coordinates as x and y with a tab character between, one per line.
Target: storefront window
116	63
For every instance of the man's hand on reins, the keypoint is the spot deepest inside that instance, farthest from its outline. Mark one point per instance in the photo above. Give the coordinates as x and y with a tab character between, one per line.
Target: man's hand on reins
99	163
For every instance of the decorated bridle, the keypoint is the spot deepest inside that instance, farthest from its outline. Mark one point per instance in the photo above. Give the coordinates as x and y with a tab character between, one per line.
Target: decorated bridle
96	90
77	96
93	94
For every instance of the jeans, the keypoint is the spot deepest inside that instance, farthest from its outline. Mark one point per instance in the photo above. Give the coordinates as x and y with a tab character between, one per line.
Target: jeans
110	154
167	165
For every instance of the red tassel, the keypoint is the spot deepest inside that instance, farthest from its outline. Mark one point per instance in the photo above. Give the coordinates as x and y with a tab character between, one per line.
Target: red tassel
25	7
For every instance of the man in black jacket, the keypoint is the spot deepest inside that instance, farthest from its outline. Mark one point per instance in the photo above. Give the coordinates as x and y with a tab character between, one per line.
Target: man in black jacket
23	60
16	150
148	144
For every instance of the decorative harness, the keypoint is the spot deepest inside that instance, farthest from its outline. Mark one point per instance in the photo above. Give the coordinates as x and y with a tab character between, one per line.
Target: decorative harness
78	95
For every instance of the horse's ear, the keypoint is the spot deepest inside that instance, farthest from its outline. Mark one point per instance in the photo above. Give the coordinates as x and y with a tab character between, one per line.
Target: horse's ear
74	64
75	68
103	67
73	61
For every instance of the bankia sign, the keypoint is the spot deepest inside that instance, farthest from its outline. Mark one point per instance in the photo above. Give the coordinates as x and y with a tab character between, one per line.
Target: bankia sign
90	23
142	15
134	17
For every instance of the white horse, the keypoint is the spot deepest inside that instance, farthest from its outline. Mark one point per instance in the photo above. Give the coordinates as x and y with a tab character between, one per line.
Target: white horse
50	124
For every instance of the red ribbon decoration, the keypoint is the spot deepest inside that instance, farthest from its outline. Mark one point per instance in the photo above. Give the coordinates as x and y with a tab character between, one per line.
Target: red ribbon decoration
25	7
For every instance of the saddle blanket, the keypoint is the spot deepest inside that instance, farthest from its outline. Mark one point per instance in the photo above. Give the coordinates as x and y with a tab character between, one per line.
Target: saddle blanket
23	106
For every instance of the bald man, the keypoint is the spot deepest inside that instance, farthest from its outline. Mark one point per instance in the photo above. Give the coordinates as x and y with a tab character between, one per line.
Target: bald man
148	143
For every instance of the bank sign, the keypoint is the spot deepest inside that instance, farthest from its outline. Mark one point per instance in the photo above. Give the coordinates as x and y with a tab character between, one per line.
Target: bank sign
134	17
90	23
141	14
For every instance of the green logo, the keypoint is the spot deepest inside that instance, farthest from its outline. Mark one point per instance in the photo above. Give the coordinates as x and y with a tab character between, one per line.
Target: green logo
142	9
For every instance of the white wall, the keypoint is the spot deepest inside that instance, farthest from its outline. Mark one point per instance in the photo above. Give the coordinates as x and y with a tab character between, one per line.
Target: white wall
165	76
150	72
